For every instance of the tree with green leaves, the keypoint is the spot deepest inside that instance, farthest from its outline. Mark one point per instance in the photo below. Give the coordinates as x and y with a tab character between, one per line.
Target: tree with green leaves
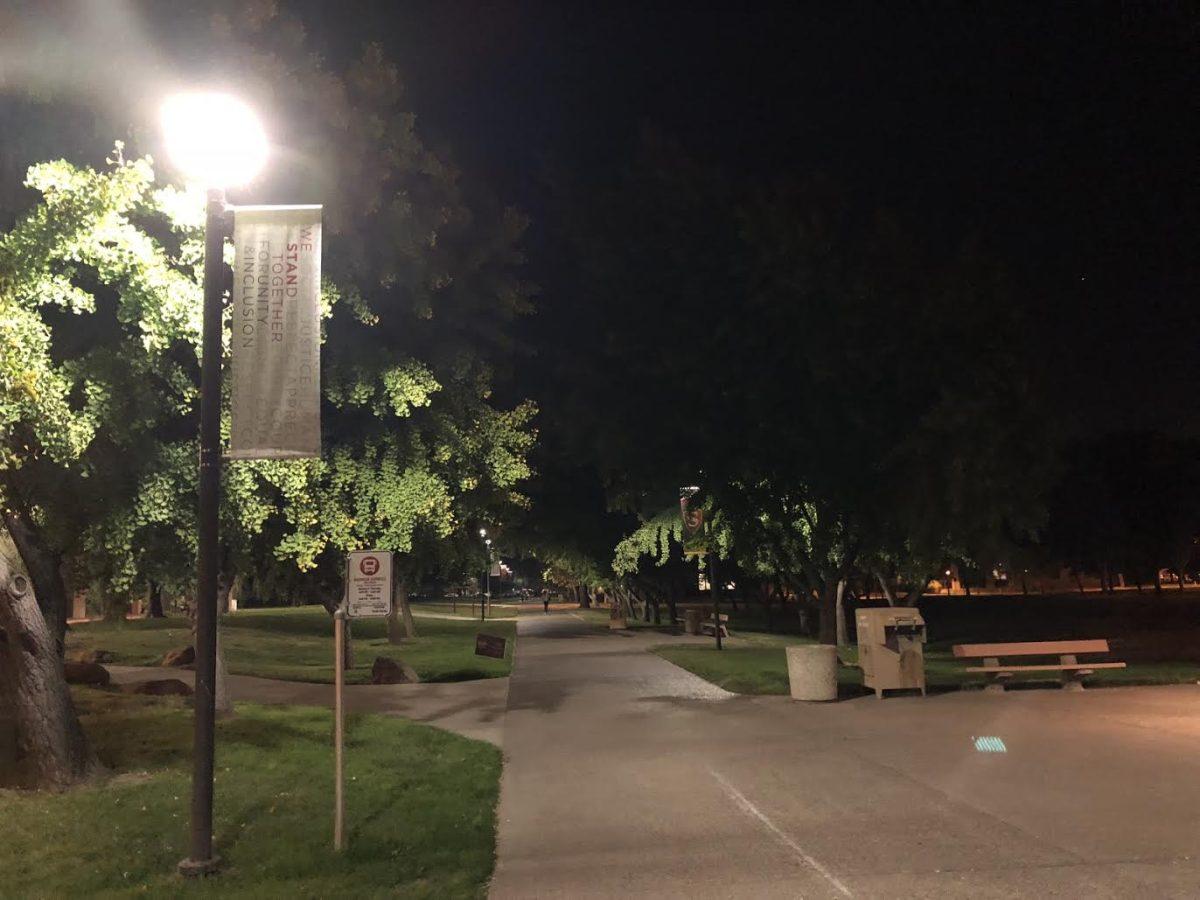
99	316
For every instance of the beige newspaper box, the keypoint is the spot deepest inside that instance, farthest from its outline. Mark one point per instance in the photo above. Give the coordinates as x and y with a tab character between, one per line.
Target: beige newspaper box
891	648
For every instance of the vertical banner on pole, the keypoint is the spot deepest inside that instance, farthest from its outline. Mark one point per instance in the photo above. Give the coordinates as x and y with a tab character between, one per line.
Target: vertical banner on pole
276	340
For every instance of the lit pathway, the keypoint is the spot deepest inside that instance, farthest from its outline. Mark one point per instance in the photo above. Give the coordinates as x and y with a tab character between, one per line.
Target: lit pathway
627	777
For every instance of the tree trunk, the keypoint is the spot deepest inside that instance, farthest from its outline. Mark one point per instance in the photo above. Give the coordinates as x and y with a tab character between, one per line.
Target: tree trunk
225	582
52	750
401	612
913	596
44	566
887	591
643	598
155	601
115	606
1078	580
671	609
842	637
828	612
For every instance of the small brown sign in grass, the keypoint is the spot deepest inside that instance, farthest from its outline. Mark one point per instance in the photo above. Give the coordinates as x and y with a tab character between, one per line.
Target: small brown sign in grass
489	645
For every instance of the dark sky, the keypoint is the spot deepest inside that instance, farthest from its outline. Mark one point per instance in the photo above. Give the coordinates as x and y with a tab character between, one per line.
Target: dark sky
1057	132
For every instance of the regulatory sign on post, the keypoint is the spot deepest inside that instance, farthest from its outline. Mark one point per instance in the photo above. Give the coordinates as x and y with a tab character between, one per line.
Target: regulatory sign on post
369	584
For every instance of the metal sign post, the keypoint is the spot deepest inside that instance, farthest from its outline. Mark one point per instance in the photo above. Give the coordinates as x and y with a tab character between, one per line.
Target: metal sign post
368	596
339	720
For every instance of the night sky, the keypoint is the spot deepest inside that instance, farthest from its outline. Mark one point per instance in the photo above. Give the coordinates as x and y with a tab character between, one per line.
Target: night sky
1057	136
1052	135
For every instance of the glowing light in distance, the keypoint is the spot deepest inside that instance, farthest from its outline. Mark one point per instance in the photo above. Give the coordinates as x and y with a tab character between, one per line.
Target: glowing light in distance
214	139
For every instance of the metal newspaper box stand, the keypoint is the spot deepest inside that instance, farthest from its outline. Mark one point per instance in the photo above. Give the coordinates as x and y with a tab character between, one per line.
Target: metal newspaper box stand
891	648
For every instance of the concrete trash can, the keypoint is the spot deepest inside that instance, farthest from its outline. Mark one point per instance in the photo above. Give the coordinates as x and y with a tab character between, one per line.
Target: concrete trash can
812	671
691	621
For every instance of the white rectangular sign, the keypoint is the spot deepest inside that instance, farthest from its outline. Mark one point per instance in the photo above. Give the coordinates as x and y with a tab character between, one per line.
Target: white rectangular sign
369	584
276	341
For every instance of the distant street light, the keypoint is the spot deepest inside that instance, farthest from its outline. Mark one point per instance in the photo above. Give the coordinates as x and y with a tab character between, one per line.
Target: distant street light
216	141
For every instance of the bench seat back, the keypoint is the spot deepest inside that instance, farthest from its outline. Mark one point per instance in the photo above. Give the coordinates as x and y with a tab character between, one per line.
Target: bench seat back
1031	648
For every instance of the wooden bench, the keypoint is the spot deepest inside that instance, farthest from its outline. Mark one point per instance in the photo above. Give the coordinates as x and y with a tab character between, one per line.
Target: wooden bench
1070	669
707	626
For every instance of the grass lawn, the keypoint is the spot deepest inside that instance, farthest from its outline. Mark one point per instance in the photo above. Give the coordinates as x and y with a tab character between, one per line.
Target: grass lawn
757	664
420	809
296	644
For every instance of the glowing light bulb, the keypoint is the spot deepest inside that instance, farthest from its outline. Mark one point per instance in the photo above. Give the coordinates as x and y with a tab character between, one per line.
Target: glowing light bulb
214	139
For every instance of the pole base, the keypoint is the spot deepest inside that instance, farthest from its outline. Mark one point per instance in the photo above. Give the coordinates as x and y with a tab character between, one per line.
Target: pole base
199	868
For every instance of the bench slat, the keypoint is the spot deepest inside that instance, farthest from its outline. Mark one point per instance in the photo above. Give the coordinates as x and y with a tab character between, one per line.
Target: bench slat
1031	648
1046	668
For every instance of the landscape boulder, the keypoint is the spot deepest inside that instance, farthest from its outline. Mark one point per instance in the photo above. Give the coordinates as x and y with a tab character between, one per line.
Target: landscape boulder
85	673
183	656
160	687
392	671
90	656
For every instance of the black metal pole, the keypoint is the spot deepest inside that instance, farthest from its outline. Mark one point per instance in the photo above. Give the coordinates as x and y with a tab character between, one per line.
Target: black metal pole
202	860
712	584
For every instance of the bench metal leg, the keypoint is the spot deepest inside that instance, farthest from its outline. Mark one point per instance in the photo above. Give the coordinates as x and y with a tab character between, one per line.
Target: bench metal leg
995	684
1072	679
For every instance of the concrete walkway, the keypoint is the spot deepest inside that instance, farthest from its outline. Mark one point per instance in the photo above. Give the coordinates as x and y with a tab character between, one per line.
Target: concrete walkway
628	777
471	708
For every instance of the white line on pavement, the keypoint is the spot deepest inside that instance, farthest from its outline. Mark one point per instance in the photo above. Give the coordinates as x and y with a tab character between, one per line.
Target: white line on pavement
751	810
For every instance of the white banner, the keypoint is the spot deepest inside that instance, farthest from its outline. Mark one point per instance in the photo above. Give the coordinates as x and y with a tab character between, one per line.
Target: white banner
276	333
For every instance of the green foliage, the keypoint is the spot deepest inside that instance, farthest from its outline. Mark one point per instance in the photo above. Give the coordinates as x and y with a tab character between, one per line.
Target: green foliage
99	324
653	538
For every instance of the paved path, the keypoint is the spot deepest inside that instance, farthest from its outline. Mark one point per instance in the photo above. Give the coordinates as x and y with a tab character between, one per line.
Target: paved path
627	777
471	708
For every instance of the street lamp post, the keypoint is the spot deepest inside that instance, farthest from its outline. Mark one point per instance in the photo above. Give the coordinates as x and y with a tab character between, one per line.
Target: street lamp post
483	581
217	141
487	577
716	597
